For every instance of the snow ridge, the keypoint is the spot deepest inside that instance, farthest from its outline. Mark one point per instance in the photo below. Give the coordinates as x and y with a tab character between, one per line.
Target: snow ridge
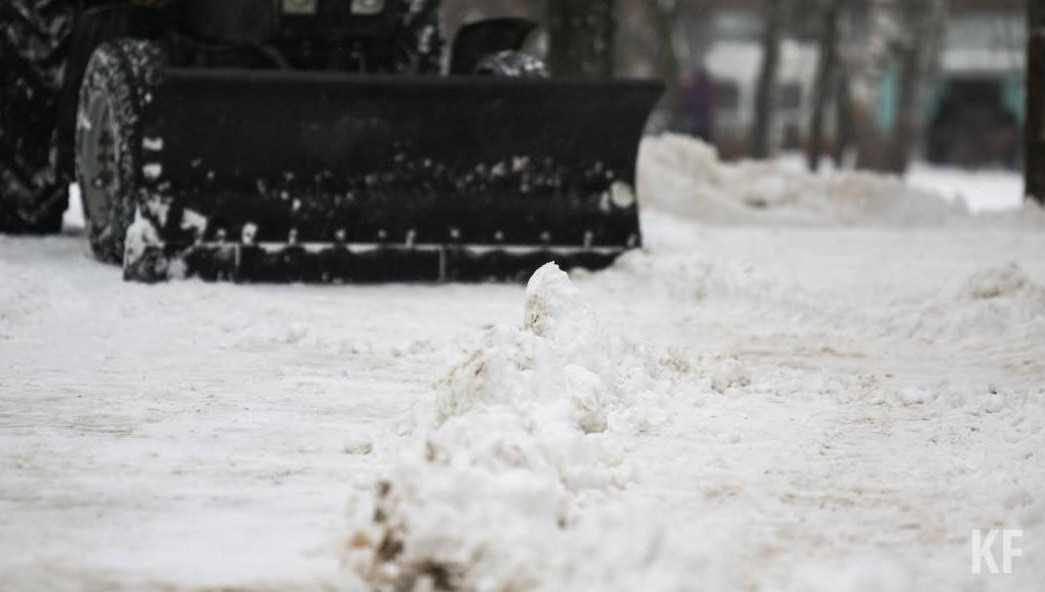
519	458
1000	302
685	177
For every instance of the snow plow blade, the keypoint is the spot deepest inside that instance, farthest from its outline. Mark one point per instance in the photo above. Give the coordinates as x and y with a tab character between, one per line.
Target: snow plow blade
284	176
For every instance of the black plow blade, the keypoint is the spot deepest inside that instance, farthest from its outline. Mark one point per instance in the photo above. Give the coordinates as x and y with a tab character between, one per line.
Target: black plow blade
275	176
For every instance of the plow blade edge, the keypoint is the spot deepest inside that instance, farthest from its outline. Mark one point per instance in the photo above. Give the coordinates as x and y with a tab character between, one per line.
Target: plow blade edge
277	176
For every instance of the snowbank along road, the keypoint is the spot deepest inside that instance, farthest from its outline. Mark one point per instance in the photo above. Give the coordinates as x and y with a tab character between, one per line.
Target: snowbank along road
802	383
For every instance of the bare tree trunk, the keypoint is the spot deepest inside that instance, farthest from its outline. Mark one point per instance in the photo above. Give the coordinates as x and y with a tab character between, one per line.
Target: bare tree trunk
582	37
910	52
1035	130
866	68
844	134
664	18
923	20
825	74
765	93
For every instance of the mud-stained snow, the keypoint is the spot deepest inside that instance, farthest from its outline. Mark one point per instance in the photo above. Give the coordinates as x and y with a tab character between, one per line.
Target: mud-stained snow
801	384
522	453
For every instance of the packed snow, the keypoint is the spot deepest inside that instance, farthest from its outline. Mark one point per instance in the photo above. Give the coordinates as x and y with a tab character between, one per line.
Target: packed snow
802	383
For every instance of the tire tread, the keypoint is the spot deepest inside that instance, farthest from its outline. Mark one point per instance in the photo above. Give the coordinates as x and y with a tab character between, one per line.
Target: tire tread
34	38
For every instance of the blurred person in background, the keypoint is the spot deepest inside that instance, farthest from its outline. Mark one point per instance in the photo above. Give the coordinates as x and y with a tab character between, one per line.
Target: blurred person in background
696	104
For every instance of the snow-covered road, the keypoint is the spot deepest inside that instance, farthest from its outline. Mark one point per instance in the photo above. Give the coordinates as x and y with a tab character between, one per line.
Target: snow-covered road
821	397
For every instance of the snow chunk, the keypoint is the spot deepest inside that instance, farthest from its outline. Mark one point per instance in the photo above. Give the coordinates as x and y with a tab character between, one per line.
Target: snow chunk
998	282
141	235
553	307
152	144
152	171
914	395
358	446
995	403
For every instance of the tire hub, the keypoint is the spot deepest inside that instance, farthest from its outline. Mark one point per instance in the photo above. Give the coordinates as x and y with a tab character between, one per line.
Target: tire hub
98	160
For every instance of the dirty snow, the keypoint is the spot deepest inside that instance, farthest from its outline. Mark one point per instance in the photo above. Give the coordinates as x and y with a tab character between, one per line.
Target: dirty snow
802	383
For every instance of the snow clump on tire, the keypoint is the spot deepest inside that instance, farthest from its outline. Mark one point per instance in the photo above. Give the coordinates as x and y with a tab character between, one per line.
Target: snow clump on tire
512	471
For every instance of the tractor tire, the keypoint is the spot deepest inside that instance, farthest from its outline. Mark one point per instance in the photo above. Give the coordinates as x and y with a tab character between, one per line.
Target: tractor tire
512	64
108	147
34	38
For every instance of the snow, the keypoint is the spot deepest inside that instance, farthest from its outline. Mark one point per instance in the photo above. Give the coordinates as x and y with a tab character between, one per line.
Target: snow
504	463
982	191
687	178
801	383
978	190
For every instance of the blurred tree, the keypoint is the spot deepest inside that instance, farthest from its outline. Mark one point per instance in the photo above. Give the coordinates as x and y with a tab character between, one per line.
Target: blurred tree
916	47
826	75
666	39
844	132
866	67
765	92
665	20
905	39
581	36
1035	130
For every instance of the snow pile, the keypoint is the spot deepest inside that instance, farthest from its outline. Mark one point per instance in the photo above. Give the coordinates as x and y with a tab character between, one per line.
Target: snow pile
513	473
696	278
25	299
994	302
1009	281
725	292
684	176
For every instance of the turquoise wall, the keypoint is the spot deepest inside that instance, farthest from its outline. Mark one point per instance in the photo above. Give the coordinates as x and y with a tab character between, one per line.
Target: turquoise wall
888	100
1014	95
